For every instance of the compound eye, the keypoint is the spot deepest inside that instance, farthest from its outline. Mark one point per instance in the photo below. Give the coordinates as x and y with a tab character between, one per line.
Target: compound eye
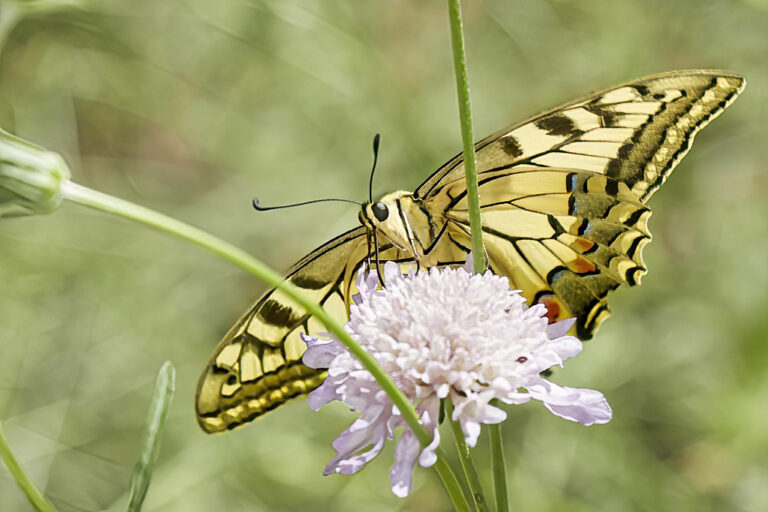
380	211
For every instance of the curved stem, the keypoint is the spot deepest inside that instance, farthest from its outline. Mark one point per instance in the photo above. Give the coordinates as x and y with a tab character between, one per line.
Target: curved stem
106	203
34	496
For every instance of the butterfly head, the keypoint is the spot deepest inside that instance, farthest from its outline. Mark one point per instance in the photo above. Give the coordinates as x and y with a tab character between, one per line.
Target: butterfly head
388	217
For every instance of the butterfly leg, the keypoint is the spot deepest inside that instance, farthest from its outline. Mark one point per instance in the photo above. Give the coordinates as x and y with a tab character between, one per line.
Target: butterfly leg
417	255
368	253
378	263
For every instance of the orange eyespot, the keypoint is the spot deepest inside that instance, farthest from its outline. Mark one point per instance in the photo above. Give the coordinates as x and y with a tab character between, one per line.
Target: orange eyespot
553	307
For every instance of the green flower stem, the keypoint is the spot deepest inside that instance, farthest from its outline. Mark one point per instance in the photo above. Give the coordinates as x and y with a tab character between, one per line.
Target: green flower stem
33	495
499	470
451	484
470	472
106	203
475	220
467	136
158	413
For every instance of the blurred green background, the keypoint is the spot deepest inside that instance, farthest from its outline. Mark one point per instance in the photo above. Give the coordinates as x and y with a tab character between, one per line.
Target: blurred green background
193	107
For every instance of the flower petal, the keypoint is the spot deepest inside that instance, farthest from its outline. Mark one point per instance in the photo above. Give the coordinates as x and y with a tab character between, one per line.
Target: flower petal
471	425
320	353
392	272
360	435
347	463
429	418
400	475
565	347
469	265
586	406
558	329
367	282
323	394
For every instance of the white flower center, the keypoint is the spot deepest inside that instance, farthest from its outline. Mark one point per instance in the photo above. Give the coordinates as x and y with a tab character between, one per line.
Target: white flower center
449	329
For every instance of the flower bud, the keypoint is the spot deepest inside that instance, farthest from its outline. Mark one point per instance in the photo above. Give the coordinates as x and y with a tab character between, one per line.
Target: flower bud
30	177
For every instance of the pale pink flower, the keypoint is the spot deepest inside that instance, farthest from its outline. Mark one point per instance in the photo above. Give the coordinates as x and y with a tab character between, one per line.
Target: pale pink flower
445	333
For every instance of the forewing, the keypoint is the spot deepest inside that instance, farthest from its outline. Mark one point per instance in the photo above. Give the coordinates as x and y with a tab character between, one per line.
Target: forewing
257	366
636	132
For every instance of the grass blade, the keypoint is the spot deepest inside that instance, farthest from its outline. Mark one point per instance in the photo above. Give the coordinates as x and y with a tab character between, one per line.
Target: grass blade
158	413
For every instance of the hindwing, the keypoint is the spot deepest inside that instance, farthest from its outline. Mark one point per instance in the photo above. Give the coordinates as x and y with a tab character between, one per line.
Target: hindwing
563	194
566	245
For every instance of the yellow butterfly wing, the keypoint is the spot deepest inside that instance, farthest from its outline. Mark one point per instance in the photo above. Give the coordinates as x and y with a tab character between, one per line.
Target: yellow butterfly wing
563	194
257	365
563	202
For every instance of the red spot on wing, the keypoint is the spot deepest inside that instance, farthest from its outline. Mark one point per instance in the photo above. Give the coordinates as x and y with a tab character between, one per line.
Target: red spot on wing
583	266
583	245
553	307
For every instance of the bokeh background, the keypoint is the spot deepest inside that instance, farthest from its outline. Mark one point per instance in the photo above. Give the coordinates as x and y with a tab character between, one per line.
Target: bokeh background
193	107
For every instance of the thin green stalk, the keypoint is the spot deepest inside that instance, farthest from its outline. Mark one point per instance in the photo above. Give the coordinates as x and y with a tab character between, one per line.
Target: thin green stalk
34	496
499	469
106	203
450	483
470	472
475	220
467	136
158	413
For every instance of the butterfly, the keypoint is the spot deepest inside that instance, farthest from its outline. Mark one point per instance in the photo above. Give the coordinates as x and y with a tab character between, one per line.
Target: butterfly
563	198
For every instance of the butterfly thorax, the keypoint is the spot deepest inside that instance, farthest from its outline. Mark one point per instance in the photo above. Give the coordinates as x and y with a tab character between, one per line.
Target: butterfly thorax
401	220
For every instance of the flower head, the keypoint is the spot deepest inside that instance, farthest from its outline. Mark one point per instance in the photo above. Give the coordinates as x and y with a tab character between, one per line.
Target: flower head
30	177
446	333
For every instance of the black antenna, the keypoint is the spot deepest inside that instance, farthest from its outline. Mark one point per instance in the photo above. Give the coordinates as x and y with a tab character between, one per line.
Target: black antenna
260	208
376	139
